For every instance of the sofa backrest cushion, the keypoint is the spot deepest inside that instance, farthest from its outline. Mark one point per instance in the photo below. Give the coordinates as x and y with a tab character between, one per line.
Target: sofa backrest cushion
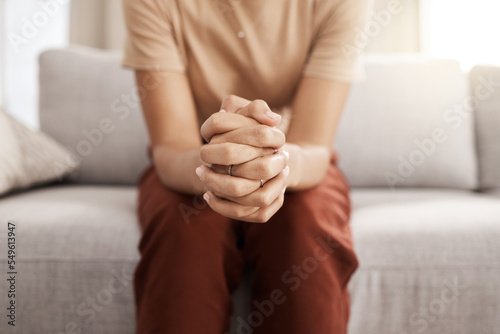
409	124
400	127
485	84
89	103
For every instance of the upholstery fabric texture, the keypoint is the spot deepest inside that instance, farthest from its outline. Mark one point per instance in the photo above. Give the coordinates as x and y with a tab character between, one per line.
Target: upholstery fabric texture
401	127
77	241
96	100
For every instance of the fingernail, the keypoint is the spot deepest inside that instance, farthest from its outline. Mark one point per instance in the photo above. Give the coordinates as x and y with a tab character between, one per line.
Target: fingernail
287	155
284	189
222	110
199	171
286	170
272	115
206	196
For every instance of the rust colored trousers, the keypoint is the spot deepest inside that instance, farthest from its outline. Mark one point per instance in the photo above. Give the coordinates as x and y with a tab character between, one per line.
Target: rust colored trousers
192	259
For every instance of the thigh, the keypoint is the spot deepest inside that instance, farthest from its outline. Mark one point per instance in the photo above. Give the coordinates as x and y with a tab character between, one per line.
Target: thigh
309	222
304	253
189	262
154	197
181	217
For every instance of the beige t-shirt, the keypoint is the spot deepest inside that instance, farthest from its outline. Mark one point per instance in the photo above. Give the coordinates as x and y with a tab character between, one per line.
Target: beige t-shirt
256	49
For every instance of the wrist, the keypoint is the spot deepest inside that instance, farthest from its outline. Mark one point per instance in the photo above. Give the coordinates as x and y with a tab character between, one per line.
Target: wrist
295	163
176	168
308	165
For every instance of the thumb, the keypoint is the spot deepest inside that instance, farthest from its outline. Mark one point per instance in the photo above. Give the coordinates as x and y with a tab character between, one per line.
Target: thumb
260	111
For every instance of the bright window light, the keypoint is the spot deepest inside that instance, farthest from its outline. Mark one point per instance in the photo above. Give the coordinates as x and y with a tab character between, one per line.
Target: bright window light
462	29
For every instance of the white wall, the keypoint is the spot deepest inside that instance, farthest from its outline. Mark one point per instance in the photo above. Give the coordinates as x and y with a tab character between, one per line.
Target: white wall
399	29
107	30
30	27
462	29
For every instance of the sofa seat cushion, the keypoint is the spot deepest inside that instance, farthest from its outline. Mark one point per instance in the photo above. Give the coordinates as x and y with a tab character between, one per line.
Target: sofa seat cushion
429	262
78	246
426	228
75	223
402	227
77	250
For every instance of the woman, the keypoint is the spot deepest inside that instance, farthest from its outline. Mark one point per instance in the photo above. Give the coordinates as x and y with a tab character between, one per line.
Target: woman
241	100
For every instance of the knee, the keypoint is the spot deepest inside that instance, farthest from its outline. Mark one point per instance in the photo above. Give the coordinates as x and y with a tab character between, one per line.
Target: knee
311	224
328	202
340	252
320	220
165	214
315	212
156	201
172	223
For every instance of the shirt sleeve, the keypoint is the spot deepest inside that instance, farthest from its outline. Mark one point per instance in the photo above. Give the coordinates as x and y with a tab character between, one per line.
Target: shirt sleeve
335	51
151	37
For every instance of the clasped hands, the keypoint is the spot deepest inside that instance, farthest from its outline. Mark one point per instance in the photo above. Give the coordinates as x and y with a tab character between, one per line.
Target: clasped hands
243	135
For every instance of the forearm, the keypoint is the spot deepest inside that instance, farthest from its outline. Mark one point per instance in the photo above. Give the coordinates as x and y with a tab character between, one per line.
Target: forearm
176	168
308	165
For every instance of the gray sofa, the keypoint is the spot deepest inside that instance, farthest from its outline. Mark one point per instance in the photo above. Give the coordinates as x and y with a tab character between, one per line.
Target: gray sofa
419	143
